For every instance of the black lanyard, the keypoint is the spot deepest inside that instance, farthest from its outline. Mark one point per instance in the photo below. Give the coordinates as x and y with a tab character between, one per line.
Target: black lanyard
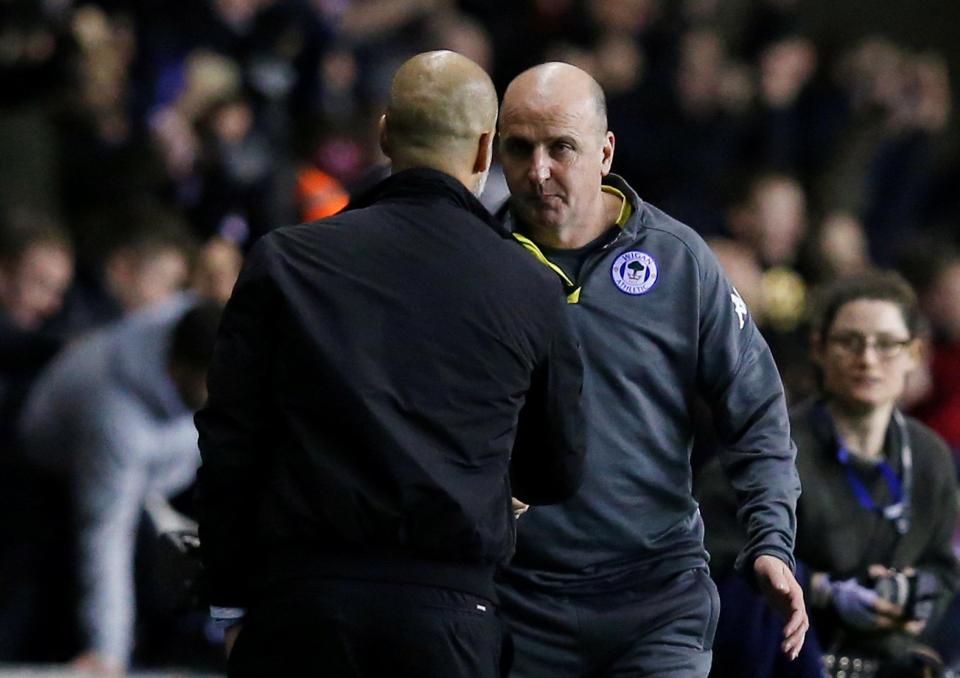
900	490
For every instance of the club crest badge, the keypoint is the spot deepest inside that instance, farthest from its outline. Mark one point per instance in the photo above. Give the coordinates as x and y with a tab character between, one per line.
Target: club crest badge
634	273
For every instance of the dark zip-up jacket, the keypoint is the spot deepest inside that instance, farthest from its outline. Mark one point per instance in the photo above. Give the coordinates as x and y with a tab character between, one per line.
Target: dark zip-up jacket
372	375
658	323
837	535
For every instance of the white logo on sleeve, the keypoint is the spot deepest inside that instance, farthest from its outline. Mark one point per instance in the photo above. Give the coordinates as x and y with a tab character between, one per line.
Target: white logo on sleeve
739	307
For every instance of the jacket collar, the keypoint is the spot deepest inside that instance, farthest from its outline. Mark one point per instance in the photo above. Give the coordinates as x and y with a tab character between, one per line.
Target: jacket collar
825	432
422	183
632	227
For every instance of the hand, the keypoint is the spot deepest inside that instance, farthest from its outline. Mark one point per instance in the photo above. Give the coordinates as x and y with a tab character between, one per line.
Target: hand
95	664
230	637
784	595
925	591
519	508
861	607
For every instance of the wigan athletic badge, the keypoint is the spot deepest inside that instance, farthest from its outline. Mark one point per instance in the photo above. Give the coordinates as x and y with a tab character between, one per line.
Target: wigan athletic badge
634	272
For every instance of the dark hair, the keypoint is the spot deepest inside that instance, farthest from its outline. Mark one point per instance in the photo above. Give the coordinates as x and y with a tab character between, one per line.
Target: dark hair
875	286
138	225
195	334
23	228
149	229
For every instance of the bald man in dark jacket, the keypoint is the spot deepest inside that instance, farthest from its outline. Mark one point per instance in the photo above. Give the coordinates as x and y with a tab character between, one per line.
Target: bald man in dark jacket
384	381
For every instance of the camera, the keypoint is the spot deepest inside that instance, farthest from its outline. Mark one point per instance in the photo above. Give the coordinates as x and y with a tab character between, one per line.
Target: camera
897	588
914	592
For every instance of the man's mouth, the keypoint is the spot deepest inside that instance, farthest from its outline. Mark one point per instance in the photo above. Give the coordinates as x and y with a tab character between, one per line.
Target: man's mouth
545	199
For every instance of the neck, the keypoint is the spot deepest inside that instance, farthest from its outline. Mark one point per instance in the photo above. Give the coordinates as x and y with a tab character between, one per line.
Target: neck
573	236
469	180
863	433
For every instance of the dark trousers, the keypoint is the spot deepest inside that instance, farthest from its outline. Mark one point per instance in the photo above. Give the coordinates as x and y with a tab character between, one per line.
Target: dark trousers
656	629
750	633
341	627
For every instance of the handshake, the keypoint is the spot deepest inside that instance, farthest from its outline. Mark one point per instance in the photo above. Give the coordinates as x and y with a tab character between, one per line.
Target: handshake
890	599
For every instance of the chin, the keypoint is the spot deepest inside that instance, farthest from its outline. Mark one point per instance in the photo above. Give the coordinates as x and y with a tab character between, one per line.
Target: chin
864	403
536	218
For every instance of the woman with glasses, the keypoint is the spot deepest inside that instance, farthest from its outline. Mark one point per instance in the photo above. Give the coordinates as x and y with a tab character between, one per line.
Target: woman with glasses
879	500
878	508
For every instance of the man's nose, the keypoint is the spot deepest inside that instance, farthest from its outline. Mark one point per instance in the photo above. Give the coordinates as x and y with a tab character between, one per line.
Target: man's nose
539	166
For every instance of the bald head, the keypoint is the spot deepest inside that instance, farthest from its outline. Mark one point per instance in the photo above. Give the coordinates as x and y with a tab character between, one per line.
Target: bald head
557	84
441	104
555	149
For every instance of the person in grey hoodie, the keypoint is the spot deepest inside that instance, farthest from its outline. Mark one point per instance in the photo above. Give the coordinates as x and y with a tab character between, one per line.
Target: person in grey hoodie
113	415
614	581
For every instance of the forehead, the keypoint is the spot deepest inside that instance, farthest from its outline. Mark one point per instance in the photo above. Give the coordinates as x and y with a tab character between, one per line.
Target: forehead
45	256
538	115
870	315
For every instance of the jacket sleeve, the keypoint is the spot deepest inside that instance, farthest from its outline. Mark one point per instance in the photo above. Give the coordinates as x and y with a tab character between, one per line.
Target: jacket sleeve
739	379
233	428
548	455
938	558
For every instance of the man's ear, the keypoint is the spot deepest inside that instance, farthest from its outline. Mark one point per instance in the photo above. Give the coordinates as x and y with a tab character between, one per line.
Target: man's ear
382	132
484	156
609	142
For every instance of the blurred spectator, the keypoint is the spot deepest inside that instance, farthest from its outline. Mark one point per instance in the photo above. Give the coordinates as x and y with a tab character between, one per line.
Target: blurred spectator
885	168
773	218
523	33
217	269
95	124
459	33
941	302
237	172
704	131
36	267
134	255
33	45
207	78
384	33
841	247
113	416
777	300
878	511
339	102
798	116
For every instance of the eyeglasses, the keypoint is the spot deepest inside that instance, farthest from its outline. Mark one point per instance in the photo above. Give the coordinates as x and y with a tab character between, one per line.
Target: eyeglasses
854	343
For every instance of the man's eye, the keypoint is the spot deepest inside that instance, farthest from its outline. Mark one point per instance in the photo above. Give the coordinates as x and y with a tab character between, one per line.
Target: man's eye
515	147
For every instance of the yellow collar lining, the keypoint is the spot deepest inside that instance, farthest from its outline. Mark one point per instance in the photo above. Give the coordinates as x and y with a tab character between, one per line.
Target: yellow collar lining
626	210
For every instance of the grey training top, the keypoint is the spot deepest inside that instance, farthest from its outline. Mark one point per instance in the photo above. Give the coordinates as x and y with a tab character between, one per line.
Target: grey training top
658	323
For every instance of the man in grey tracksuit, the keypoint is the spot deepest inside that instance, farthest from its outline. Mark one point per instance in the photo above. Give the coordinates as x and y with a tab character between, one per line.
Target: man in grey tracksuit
113	415
614	581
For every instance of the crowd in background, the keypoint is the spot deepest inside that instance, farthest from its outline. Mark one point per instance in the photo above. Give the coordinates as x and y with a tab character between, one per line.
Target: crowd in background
145	143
